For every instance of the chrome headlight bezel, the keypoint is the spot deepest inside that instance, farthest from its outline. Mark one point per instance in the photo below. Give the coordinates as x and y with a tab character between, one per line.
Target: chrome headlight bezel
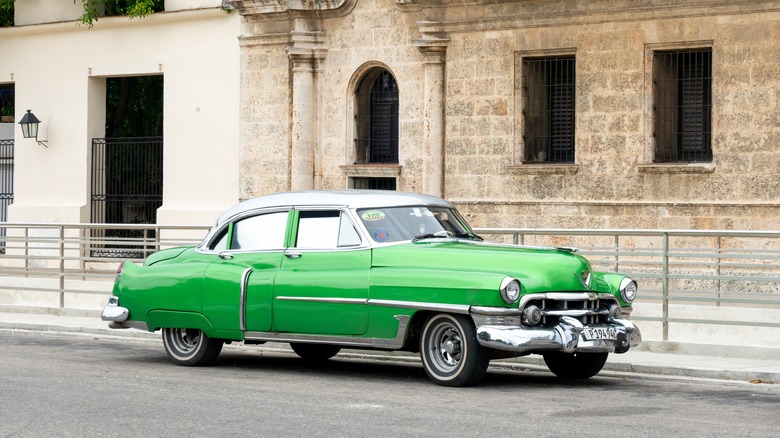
628	289
510	290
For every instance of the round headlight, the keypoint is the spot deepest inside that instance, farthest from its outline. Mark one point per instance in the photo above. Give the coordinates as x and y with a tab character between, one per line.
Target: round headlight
628	290
510	290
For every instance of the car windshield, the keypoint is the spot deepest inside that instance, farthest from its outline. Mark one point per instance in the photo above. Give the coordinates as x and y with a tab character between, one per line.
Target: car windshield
394	224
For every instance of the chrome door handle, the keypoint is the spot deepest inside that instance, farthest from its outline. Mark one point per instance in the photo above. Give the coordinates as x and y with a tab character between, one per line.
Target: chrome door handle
226	256
292	255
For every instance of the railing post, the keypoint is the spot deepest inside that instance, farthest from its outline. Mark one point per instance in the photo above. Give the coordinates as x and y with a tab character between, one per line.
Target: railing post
717	273
62	267
617	255
665	288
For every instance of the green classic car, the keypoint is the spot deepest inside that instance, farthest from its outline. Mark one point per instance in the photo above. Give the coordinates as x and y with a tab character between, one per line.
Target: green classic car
325	270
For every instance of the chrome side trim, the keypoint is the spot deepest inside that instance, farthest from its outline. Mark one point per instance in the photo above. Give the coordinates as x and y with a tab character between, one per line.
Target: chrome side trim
346	341
332	300
436	307
242	299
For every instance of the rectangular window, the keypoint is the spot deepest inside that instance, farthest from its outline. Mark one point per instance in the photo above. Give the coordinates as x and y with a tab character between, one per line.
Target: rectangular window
548	109
373	183
682	102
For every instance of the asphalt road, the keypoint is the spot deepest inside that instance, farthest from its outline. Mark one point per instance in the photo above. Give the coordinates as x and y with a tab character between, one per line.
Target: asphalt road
75	385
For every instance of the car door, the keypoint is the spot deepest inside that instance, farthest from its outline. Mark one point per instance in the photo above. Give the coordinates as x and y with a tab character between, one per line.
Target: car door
239	282
322	286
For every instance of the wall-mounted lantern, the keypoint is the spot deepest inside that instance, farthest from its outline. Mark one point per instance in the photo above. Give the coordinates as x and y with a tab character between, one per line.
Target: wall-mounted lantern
29	124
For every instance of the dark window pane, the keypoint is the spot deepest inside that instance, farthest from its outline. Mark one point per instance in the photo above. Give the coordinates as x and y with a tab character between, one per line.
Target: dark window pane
683	102
548	113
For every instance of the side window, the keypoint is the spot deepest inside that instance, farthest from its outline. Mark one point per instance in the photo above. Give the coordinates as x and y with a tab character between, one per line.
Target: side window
219	243
265	231
324	230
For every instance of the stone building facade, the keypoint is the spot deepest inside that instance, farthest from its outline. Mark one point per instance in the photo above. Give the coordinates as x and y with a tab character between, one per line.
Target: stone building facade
555	113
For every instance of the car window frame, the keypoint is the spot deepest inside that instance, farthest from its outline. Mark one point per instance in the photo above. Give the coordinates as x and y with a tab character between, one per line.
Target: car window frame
344	213
213	236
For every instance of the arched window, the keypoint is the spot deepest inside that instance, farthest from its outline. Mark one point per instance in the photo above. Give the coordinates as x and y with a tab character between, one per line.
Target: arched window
376	118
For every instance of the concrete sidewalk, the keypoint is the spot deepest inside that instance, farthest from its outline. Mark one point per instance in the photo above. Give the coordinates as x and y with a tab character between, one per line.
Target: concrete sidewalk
654	358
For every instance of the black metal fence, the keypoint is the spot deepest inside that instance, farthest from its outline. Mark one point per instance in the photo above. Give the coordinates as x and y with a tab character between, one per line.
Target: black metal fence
6	184
127	177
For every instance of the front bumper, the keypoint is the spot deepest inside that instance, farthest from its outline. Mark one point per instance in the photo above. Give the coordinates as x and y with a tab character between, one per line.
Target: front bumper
566	337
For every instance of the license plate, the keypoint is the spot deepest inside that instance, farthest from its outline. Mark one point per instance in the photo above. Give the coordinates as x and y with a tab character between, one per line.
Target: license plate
599	333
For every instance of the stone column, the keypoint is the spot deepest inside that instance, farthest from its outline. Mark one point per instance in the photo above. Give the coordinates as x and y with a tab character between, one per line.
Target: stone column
305	53
434	48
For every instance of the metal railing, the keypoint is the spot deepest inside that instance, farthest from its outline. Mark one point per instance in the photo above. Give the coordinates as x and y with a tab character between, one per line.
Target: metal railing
721	270
735	269
73	257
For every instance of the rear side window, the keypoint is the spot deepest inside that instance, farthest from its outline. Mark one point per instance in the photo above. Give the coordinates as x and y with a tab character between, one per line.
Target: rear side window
325	230
265	231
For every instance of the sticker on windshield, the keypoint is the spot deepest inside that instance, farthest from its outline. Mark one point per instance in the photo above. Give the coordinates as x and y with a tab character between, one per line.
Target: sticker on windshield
381	236
372	215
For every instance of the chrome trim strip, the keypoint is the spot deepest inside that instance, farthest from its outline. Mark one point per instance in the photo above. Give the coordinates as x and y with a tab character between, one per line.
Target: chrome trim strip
416	305
242	299
346	341
564	296
331	300
436	307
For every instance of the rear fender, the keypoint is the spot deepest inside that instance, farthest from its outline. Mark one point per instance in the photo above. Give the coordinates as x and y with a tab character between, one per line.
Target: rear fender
157	319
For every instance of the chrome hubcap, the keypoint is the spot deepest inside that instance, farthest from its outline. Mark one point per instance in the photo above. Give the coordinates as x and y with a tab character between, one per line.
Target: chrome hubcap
446	348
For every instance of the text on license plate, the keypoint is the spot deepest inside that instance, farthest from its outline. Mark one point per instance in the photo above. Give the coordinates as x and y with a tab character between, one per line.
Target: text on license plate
596	333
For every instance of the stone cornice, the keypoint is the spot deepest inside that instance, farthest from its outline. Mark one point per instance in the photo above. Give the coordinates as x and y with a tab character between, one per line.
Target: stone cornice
286	9
500	15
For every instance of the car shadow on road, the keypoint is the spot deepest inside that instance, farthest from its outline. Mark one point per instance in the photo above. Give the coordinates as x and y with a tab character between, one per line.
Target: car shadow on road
406	370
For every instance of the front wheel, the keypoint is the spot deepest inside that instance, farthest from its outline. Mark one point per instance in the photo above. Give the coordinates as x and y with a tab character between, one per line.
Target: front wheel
190	347
450	352
575	365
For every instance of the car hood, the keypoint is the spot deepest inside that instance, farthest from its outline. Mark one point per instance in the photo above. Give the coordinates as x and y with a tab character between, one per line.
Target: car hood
538	269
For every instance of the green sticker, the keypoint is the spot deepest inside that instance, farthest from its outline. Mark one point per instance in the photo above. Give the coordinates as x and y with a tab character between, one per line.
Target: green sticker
372	215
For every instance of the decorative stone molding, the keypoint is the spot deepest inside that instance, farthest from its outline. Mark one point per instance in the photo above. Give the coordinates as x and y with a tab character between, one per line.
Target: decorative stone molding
371	170
677	168
285	9
544	169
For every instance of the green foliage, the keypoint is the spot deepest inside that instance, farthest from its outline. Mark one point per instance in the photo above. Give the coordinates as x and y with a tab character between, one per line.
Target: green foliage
134	106
6	13
93	9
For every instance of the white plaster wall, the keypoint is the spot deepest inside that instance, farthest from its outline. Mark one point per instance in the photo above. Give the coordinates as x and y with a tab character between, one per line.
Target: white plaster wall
7	131
62	79
54	11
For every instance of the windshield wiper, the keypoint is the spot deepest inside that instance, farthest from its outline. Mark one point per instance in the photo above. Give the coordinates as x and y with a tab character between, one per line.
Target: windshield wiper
468	236
438	235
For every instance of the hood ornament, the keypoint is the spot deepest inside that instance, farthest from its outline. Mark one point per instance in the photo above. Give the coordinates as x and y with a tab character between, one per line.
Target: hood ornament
584	278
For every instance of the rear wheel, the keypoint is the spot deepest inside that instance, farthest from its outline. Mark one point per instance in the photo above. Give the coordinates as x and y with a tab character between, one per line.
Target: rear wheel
190	347
315	352
575	365
450	352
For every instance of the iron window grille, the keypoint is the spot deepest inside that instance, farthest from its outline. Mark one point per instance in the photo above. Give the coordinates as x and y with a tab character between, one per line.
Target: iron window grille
6	185
374	183
127	176
682	82
548	109
377	119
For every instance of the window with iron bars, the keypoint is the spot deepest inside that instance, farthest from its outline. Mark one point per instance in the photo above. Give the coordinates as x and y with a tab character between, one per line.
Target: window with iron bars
682	86
548	109
374	183
376	118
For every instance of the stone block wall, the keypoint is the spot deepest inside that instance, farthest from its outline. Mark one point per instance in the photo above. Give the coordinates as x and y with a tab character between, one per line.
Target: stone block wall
613	182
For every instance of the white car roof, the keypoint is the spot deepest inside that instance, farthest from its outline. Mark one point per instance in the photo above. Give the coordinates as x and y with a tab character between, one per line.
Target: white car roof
353	199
